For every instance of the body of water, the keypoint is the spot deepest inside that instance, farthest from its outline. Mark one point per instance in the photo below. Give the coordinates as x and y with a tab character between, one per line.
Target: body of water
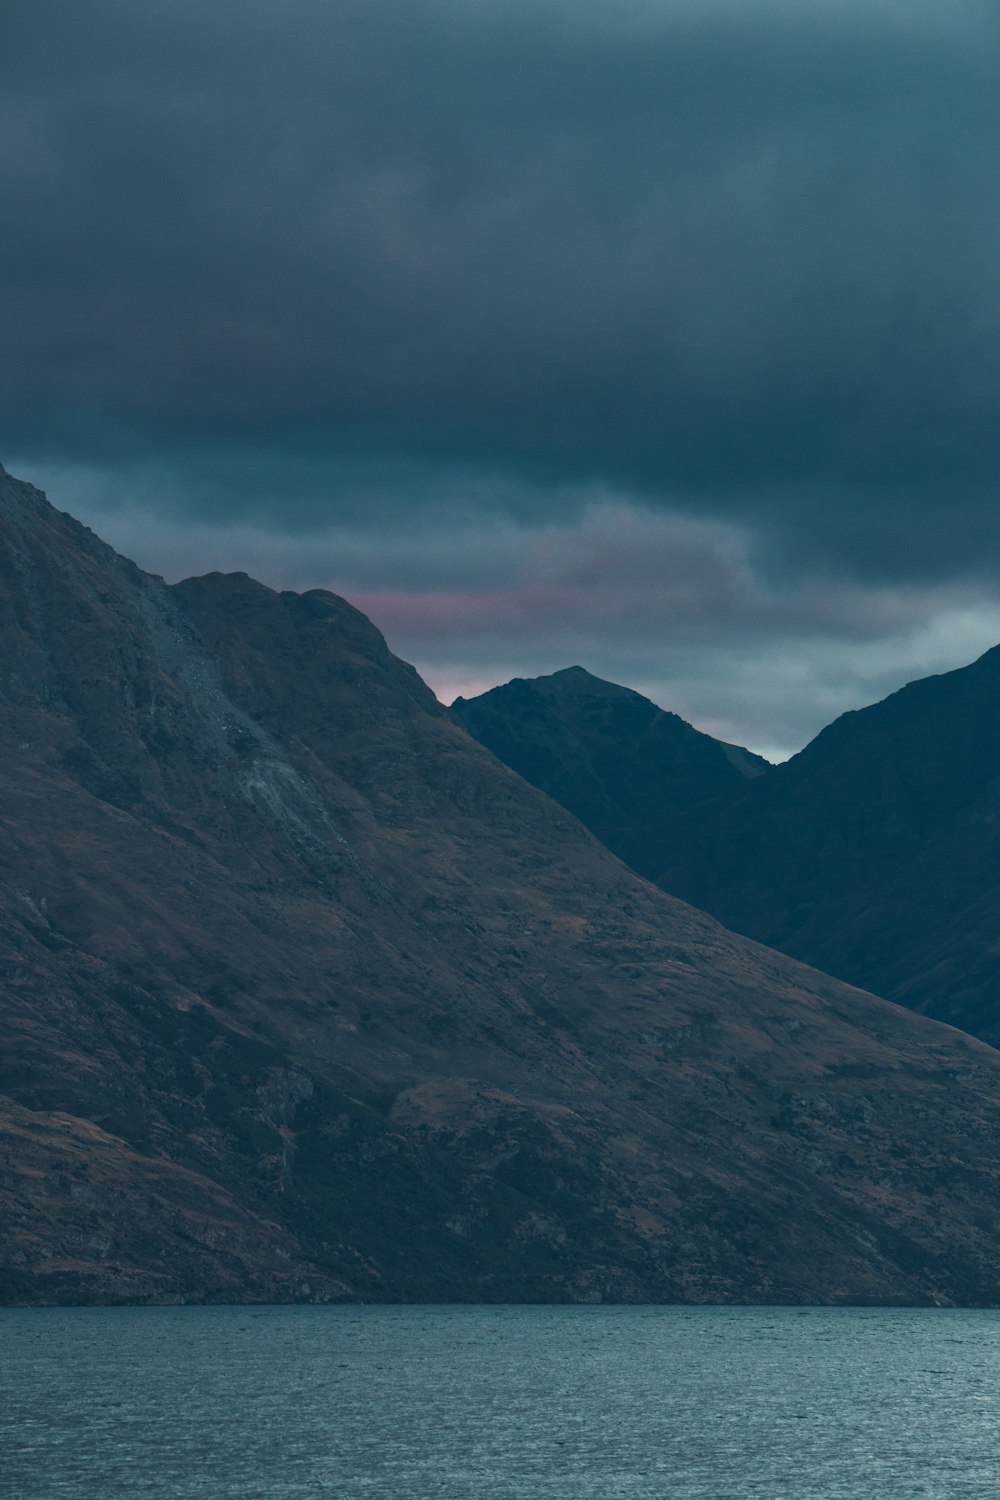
499	1403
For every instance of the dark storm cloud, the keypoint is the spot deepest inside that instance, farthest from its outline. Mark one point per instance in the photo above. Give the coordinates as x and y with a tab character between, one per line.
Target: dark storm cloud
740	261
657	335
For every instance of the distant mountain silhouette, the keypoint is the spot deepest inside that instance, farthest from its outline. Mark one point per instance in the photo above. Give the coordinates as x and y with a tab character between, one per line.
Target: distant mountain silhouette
303	995
875	852
620	764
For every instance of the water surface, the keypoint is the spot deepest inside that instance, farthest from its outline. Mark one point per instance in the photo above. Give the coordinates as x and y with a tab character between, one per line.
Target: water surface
499	1403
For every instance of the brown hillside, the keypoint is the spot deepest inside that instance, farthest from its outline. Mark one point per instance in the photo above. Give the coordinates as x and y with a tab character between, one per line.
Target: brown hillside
306	996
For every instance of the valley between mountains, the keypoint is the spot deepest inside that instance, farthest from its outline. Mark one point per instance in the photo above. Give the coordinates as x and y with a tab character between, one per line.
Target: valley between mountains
306	997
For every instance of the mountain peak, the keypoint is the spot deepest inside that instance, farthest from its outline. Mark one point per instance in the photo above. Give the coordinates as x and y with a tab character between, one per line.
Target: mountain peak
579	680
623	766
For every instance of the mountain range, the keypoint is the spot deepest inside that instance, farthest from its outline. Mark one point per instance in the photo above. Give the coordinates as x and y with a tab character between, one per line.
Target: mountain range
872	854
304	995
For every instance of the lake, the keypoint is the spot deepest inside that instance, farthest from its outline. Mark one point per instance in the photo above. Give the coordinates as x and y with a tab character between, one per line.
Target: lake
499	1403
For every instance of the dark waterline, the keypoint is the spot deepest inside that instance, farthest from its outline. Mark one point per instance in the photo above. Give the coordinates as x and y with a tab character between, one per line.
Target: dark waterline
499	1403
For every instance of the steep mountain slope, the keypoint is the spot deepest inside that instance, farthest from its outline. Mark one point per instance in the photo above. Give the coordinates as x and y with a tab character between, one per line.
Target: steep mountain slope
619	763
874	852
304	995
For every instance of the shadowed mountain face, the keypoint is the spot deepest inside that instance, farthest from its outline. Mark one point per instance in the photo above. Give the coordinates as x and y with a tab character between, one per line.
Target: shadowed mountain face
621	765
306	996
874	853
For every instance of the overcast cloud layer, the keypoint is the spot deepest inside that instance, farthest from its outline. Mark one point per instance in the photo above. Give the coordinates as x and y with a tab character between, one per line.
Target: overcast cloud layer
659	336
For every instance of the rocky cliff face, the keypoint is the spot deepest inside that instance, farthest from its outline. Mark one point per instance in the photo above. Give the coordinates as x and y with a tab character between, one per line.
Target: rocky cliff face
619	763
304	995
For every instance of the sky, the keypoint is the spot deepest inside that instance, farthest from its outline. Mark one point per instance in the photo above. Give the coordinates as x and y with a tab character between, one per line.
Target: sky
660	337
